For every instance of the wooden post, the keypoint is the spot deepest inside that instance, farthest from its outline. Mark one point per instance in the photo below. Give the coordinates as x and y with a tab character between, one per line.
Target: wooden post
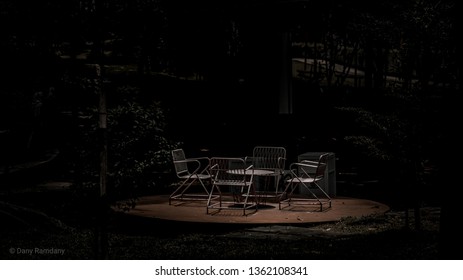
102	125
102	239
285	76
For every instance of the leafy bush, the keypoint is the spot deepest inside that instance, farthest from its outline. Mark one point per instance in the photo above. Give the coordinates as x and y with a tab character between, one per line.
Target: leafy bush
137	146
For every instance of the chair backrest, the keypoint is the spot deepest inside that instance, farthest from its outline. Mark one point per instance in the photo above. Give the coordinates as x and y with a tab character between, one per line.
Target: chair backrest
267	157
313	169
321	167
228	171
178	157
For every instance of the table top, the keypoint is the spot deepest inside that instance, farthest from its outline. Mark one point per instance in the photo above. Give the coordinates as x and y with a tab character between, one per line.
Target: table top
257	172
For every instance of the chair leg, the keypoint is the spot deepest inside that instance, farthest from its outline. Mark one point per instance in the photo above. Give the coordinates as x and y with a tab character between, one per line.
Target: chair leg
182	187
289	185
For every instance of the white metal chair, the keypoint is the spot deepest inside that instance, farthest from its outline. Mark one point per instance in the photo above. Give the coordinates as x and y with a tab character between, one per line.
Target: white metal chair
190	171
306	174
232	185
270	159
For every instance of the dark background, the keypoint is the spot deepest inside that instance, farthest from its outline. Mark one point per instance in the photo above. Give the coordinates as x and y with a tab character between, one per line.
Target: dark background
209	77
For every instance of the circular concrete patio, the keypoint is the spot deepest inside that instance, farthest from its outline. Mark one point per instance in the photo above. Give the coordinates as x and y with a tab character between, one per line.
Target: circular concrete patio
157	207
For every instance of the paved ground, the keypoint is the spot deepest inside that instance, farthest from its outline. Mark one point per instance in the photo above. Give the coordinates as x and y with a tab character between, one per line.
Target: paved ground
157	207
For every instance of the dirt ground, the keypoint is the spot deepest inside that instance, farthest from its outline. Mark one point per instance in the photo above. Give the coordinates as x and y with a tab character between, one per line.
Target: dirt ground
382	236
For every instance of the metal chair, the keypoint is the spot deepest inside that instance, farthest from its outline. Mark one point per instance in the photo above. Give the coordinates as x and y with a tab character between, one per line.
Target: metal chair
231	176
306	174
190	171
271	159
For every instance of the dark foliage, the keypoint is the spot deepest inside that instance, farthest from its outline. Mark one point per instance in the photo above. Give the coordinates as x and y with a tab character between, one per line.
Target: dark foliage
384	76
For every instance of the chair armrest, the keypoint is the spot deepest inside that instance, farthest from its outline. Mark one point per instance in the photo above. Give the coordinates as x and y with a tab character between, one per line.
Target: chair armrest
197	162
250	167
298	167
248	158
281	163
309	161
303	165
200	158
186	160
